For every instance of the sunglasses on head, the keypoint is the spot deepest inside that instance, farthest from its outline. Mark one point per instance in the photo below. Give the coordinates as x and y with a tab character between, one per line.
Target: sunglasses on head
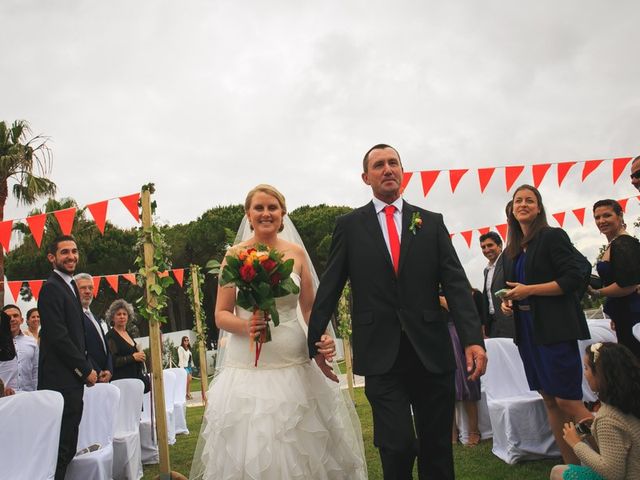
635	175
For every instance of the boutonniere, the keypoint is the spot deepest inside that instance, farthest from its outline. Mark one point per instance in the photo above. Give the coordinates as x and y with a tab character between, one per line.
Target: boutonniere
416	223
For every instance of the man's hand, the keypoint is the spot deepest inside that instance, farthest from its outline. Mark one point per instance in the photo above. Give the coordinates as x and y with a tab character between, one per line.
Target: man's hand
92	378
104	377
507	307
325	367
327	347
475	355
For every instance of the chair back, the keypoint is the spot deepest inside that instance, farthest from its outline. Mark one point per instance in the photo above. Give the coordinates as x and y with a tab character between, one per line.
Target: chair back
130	405
98	415
180	390
30	431
505	375
169	380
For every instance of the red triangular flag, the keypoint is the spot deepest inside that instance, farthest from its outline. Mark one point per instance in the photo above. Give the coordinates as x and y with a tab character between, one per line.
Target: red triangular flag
131	277
179	274
484	230
468	235
5	234
579	213
484	175
619	164
451	236
406	176
511	174
539	171
502	230
99	213
14	287
112	280
428	179
623	204
559	217
131	202
36	225
96	286
35	286
590	166
455	176
65	219
563	169
163	274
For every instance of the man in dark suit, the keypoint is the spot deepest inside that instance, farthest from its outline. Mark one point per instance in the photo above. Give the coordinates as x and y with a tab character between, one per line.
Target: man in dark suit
97	350
635	172
63	365
498	324
396	256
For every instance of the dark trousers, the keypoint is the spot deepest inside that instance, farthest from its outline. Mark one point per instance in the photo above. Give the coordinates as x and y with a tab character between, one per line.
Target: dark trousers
408	387
71	416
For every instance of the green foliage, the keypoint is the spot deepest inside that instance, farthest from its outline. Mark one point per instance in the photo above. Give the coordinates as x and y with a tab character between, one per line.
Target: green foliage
201	336
344	313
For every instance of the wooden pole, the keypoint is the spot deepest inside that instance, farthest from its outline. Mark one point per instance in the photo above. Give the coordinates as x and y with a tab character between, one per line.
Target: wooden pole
347	359
201	343
155	346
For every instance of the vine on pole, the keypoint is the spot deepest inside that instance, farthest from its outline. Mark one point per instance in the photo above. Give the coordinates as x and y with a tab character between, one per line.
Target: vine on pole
201	335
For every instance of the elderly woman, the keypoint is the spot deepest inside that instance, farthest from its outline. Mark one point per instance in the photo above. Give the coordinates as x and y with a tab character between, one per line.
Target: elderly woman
127	360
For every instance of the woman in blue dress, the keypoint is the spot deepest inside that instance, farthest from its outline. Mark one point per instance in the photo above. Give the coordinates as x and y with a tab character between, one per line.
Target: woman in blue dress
548	317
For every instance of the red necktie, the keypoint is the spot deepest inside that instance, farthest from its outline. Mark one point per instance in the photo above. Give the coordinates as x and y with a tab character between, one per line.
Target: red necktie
394	241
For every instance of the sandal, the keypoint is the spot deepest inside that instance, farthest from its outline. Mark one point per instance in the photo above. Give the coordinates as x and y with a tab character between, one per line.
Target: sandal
473	439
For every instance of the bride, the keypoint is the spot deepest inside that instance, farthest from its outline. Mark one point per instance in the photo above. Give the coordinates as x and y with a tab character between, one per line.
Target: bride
282	419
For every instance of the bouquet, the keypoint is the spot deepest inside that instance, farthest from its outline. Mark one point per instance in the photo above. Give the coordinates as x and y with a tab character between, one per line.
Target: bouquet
261	275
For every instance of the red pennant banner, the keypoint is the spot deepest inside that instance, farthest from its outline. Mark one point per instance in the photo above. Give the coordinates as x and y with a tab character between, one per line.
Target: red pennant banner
484	230
511	174
563	169
131	277
15	287
467	235
484	175
96	286
619	164
112	280
428	177
539	171
65	219
36	225
35	286
579	213
451	236
455	176
163	274
5	234
623	204
131	203
178	273
99	213
559	217
502	230
589	167
406	176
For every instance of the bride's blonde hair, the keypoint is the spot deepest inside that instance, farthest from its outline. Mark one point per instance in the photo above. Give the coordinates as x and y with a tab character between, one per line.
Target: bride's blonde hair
269	190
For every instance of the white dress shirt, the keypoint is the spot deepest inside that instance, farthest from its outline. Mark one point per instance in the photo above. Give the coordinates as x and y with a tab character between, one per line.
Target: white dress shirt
21	373
382	218
97	326
490	269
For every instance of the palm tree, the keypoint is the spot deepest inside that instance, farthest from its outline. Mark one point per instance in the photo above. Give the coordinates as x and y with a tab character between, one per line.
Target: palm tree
27	162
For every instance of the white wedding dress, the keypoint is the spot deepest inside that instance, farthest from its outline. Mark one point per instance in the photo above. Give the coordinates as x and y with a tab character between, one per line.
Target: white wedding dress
280	420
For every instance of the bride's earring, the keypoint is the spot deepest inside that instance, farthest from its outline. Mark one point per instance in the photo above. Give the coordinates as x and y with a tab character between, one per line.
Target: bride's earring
250	226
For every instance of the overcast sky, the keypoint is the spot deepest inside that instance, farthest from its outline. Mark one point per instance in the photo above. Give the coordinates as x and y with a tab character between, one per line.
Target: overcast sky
209	98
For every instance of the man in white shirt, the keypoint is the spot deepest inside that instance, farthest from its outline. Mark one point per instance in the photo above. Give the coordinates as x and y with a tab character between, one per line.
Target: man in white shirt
495	322
21	373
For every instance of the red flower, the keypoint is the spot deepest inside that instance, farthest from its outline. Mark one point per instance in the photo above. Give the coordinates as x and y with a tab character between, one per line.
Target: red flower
275	279
269	264
247	273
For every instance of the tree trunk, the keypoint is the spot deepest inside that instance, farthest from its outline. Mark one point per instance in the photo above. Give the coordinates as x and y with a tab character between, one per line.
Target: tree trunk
3	200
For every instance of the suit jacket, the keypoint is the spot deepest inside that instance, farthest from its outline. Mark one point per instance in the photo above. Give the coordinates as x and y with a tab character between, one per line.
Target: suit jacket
385	305
97	350
550	256
63	363
502	325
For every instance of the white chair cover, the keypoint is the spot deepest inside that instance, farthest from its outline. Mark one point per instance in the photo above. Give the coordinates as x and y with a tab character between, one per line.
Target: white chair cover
96	427
169	380
30	426
180	401
600	331
148	437
518	416
127	457
484	422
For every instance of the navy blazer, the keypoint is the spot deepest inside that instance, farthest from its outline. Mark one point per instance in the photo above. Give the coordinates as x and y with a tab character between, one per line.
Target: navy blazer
97	350
63	362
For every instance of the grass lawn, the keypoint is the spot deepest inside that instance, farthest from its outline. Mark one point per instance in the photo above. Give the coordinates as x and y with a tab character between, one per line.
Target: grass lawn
471	463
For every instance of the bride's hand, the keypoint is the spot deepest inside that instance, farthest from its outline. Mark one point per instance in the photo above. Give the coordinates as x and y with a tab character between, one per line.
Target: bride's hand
327	347
257	324
325	367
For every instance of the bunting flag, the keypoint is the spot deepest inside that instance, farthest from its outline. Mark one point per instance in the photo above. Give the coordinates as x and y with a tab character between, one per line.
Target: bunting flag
511	174
178	273
451	236
589	167
163	274
5	234
579	213
467	235
15	288
36	225
559	218
96	286
563	169
65	219
539	171
623	204
429	177
454	178
112	280
35	286
502	230
131	203
484	175
131	277
98	211
619	164
406	176
484	230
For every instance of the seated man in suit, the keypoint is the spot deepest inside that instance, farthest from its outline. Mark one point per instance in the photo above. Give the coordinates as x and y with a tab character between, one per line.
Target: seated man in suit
21	373
497	324
96	343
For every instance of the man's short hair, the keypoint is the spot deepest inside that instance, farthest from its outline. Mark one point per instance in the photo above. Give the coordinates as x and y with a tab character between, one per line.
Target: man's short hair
9	306
635	159
492	236
53	246
379	146
82	276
